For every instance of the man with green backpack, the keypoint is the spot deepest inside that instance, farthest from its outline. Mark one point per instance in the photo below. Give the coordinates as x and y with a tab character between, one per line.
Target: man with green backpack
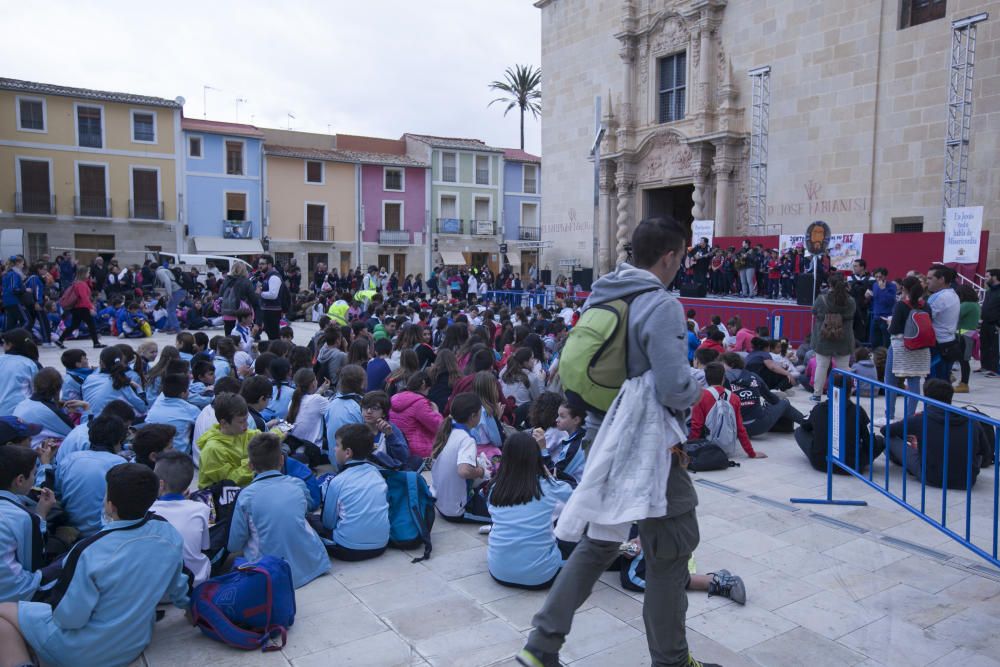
631	325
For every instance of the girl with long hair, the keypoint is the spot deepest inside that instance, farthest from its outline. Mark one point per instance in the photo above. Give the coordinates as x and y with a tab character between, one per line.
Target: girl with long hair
523	551
518	379
43	407
224	359
154	377
81	308
454	337
444	375
458	473
307	407
359	352
414	414
903	363
111	382
281	397
832	332
408	365
490	431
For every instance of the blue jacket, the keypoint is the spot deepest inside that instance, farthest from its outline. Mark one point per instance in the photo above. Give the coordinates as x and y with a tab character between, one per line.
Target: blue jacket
295	468
270	518
178	413
522	547
77	440
36	286
222	368
53	425
568	456
81	487
278	407
199	394
391	451
356	508
73	383
16	375
883	299
20	575
107	614
13	287
343	410
377	371
98	391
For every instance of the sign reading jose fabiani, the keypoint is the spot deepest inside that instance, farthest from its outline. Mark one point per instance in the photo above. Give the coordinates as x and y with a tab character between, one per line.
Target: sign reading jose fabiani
962	229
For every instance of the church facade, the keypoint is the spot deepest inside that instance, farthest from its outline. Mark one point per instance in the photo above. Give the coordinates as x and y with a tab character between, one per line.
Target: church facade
856	103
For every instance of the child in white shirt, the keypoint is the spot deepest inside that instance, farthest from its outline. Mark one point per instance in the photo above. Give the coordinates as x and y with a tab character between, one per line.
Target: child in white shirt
189	517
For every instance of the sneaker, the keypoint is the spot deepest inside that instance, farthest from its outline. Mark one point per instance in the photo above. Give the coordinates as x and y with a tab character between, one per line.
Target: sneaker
815	399
59	344
727	585
694	663
98	346
880	422
961	388
530	657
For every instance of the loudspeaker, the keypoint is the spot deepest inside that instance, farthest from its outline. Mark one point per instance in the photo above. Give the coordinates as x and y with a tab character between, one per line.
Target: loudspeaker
804	295
695	291
583	278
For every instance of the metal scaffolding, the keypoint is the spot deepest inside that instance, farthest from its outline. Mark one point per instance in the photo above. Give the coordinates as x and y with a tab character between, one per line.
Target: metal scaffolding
760	79
956	142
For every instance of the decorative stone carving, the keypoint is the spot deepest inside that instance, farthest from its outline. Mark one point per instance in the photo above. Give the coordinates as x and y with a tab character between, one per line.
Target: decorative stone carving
671	37
625	187
667	154
695	52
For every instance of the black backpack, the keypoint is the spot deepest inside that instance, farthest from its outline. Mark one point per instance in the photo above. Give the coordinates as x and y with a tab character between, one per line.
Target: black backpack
285	298
706	455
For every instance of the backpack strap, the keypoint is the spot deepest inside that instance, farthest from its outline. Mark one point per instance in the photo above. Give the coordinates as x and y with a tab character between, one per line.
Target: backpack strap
413	503
37	545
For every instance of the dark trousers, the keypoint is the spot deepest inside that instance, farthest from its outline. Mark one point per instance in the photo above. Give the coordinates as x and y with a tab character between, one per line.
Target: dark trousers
667	543
80	316
779	417
228	326
43	324
989	347
271	321
15	317
879	333
352	555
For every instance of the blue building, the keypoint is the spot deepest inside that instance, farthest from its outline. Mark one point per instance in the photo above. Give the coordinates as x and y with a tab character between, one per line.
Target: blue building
223	196
522	208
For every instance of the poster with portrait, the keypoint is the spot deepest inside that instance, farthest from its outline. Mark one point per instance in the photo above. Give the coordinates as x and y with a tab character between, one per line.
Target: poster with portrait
843	249
962	228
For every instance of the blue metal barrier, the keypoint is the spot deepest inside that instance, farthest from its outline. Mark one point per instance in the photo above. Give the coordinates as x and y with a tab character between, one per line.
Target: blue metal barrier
521	299
977	427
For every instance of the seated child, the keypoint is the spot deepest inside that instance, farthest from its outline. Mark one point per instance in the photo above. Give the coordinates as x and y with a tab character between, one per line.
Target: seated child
151	441
456	473
130	321
523	551
567	458
79	438
223	446
175	472
172	407
21	529
270	515
703	356
715	377
200	391
391	448
865	367
80	476
78	369
543	414
281	395
356	510
101	610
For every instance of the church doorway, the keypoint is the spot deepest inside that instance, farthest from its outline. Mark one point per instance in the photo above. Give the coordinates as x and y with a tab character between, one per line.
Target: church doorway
675	202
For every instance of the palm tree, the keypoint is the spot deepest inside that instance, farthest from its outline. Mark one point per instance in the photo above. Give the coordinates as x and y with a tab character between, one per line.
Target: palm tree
521	89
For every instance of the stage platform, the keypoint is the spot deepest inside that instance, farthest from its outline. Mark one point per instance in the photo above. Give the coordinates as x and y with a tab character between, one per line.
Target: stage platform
783	318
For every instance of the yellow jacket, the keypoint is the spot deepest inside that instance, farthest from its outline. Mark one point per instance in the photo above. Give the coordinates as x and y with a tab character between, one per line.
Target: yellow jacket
224	457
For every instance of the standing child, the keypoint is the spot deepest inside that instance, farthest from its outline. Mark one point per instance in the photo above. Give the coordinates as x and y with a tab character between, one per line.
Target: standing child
270	516
175	471
457	473
523	551
355	510
21	530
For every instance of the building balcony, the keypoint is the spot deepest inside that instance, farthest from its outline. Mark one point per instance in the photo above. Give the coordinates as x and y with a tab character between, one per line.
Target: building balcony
530	186
315	233
449	174
32	203
482	228
87	206
529	234
237	229
455	226
145	209
393	237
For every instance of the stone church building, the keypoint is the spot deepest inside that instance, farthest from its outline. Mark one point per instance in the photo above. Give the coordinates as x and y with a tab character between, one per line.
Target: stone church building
855	102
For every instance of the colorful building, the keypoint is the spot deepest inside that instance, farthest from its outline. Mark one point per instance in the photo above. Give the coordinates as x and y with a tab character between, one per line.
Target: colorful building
522	208
465	198
223	196
91	170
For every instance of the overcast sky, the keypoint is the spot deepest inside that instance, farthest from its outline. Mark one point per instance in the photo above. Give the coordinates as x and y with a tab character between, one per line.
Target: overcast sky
380	67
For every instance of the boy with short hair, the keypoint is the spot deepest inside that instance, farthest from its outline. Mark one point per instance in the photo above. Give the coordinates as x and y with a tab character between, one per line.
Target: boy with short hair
151	441
78	369
715	378
101	610
270	515
80	481
223	446
173	407
190	517
378	368
200	391
355	510
21	530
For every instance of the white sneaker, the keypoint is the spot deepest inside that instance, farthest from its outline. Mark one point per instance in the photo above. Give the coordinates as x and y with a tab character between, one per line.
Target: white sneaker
879	422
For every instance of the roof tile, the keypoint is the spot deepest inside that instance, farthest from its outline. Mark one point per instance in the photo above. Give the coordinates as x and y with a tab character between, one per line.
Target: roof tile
84	93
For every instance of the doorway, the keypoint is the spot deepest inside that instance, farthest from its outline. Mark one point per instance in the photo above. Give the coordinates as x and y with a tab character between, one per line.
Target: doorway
383	263
479	259
345	262
675	202
93	245
399	265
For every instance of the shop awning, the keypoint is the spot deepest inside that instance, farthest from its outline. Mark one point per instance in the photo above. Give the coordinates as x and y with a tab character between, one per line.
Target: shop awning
514	259
215	245
452	258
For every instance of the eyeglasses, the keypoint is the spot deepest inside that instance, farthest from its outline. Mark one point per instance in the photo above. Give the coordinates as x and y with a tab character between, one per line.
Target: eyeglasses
372	408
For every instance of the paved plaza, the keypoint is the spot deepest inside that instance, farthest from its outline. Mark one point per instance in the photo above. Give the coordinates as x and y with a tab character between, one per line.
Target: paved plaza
827	586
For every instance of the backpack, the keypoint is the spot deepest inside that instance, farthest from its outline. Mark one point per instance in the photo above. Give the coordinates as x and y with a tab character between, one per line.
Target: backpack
721	422
411	510
593	364
248	607
284	298
706	455
69	298
918	332
230	301
833	327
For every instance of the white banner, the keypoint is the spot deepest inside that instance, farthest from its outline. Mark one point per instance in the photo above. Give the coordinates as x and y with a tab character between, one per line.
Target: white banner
962	229
843	248
702	229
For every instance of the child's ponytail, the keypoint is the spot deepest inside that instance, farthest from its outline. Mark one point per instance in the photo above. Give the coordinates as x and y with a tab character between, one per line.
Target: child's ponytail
112	364
304	378
441	439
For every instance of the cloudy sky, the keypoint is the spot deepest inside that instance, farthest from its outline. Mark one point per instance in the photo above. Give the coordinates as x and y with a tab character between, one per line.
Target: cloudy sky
380	67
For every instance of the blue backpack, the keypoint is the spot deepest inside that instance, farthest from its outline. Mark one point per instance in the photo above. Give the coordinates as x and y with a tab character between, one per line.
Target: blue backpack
411	511
248	607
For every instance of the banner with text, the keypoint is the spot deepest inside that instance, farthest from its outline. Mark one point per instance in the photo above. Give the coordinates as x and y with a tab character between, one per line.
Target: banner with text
702	229
843	248
962	229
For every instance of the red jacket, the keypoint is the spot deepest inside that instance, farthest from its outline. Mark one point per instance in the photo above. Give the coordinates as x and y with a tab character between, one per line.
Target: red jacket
710	344
417	418
700	413
82	289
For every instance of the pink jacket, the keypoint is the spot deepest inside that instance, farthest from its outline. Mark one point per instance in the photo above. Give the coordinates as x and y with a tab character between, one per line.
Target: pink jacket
418	419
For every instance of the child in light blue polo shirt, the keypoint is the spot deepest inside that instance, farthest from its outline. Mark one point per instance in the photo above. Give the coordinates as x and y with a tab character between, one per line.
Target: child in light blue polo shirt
111	382
523	551
568	456
21	530
80	476
77	371
79	438
356	509
270	515
201	393
281	397
172	407
102	609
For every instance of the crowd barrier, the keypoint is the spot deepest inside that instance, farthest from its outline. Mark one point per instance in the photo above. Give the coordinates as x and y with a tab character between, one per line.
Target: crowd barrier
978	523
522	299
793	324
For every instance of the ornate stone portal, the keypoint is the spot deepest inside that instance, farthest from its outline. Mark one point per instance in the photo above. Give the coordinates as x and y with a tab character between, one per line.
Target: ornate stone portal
700	149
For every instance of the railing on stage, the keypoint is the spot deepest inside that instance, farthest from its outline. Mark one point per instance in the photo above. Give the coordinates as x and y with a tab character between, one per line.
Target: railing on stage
791	323
751	316
982	436
523	299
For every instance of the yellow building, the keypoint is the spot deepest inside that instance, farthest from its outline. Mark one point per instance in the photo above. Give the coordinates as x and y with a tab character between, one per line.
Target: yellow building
89	170
312	205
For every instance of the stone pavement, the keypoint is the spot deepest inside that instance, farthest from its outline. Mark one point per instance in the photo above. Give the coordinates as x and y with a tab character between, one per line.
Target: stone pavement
827	586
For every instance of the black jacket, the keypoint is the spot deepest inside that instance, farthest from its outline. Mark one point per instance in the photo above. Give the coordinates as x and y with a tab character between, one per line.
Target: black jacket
856	422
991	305
958	444
243	290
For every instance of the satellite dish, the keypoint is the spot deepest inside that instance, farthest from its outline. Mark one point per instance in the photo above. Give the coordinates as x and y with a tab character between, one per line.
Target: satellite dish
180	100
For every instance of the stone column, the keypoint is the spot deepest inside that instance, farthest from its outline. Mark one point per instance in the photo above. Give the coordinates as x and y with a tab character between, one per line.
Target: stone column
625	184
724	167
606	185
705	64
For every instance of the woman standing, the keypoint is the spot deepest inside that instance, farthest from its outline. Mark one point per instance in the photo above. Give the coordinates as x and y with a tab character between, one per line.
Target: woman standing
903	363
236	291
832	332
77	300
969	313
